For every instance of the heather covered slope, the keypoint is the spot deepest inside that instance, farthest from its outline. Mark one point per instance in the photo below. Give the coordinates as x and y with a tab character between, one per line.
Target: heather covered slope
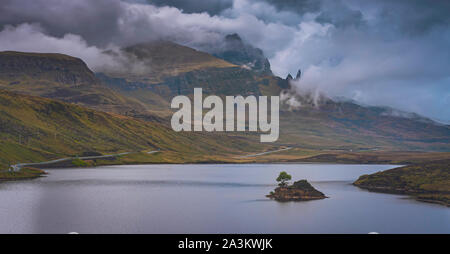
34	129
350	127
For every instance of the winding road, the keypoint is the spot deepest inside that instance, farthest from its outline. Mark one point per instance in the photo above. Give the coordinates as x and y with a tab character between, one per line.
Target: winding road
19	166
259	154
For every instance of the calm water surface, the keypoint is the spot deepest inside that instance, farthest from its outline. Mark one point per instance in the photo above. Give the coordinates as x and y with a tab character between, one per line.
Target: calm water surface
208	199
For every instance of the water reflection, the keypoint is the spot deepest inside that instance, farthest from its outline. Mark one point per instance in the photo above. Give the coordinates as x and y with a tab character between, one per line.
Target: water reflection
208	199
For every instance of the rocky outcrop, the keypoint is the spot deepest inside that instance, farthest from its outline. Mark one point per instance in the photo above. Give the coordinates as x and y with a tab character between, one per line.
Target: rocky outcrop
299	191
297	77
236	51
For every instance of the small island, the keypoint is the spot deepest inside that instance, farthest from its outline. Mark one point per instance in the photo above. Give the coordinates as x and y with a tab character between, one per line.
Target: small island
298	191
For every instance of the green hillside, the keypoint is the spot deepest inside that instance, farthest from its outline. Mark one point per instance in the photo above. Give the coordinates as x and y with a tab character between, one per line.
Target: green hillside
34	129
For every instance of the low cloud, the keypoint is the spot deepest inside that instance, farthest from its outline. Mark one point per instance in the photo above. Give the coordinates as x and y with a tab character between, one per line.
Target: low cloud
32	38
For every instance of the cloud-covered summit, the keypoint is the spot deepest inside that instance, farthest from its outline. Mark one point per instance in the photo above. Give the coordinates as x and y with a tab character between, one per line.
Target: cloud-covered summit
382	52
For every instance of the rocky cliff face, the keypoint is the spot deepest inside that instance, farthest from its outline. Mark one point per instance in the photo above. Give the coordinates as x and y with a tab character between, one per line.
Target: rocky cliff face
299	191
235	51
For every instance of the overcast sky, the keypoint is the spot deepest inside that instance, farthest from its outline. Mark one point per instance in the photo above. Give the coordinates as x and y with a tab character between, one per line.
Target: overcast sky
383	52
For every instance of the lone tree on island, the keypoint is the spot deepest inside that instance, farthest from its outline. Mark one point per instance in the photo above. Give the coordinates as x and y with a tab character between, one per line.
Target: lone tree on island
283	178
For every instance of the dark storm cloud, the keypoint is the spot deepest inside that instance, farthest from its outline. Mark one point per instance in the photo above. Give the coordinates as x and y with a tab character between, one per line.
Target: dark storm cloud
96	21
413	17
338	14
212	7
328	11
409	16
298	6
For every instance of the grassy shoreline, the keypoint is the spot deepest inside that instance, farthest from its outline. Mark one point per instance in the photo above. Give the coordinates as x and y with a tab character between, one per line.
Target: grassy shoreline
295	155
427	182
26	173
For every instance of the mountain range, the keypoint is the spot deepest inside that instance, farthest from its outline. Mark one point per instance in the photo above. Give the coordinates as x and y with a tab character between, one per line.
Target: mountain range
316	124
53	105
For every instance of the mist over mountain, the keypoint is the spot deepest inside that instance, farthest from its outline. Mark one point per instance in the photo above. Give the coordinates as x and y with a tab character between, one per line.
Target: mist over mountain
392	53
307	120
